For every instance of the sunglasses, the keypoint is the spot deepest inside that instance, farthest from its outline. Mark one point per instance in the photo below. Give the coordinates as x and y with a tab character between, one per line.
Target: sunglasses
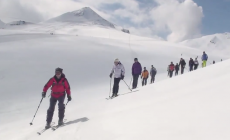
58	73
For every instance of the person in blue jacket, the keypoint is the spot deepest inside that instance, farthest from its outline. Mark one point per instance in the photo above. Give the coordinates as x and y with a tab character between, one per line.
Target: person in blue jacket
204	58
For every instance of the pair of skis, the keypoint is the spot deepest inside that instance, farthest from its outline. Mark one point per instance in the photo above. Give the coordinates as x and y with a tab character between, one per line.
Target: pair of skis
52	126
110	97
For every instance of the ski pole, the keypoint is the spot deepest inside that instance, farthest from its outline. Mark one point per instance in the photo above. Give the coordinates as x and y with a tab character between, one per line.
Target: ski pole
127	85
67	103
36	112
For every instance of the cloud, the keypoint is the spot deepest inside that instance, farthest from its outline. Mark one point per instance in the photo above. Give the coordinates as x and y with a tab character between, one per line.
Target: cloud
176	19
38	10
12	10
181	19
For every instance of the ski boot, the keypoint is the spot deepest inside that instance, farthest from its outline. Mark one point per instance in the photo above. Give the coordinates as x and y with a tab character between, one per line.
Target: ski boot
60	122
47	125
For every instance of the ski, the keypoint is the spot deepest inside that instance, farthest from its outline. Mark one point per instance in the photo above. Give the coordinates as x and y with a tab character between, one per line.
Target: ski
110	98
43	130
57	126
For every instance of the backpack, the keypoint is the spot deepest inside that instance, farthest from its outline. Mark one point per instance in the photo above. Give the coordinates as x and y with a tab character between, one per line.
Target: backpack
171	67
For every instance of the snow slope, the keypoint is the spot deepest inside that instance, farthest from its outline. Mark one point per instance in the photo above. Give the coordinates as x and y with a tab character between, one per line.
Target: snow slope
83	16
185	107
218	43
2	24
170	109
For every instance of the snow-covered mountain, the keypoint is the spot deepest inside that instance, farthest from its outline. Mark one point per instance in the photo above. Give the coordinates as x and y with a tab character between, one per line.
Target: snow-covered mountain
83	16
213	43
2	24
191	106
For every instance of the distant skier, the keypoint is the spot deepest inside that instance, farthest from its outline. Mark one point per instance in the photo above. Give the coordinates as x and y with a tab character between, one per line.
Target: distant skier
182	64
204	59
196	64
145	76
60	86
119	73
168	70
171	69
191	64
136	71
153	73
177	68
214	62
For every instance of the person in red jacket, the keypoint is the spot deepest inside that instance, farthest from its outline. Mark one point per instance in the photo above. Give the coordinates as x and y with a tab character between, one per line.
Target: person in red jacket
171	69
60	87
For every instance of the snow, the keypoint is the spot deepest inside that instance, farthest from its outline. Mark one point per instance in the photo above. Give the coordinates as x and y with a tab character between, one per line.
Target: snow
83	16
2	24
218	43
187	107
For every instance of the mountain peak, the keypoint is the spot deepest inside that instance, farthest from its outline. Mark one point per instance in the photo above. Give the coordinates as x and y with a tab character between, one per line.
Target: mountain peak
82	16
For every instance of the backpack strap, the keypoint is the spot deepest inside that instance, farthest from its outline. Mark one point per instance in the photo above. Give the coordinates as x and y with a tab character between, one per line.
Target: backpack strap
63	83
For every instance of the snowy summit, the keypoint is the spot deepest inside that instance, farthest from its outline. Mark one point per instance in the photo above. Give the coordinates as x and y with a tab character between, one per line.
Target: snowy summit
83	16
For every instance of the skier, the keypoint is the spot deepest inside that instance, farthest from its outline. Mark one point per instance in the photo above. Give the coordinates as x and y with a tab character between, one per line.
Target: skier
177	68
196	63
182	64
145	76
191	63
204	59
214	62
168	70
171	69
60	86
136	71
119	73
153	73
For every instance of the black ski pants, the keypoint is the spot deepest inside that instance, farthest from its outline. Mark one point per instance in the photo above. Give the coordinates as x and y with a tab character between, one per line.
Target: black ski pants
135	81
171	74
144	81
182	69
61	108
191	68
195	66
116	86
152	79
176	72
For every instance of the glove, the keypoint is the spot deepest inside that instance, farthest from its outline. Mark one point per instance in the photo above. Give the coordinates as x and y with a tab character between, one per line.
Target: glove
69	97
111	75
43	94
122	77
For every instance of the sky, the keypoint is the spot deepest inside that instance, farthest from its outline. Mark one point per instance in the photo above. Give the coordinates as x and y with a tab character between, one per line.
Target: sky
173	20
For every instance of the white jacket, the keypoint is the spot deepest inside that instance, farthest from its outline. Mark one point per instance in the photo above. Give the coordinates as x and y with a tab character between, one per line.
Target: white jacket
196	62
118	70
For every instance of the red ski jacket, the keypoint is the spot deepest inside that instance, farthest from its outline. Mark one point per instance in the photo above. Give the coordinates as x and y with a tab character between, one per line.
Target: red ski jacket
58	88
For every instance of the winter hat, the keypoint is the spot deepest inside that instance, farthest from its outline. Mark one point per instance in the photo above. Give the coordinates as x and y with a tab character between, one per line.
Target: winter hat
135	59
116	60
59	69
